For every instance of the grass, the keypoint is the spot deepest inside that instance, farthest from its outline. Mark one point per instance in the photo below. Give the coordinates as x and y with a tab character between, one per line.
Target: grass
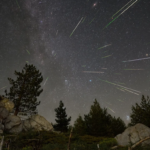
52	141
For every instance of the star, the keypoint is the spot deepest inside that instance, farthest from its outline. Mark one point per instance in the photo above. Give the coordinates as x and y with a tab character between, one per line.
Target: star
95	4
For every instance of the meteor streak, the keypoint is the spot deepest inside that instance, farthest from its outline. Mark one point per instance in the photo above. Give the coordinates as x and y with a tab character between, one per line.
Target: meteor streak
121	8
106	56
28	52
45	81
92	20
120	89
76	26
17	4
92	72
104	51
111	110
121	86
104	46
131	92
133	69
120	14
120	83
83	65
3	87
137	59
120	100
83	20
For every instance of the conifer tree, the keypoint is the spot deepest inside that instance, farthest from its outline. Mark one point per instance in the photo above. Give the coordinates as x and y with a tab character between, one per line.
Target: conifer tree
97	122
79	126
141	113
61	122
25	89
118	126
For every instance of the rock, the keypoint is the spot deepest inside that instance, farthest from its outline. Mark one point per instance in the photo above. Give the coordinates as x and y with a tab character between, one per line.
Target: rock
134	134
16	129
11	121
1	131
1	128
3	113
37	122
9	105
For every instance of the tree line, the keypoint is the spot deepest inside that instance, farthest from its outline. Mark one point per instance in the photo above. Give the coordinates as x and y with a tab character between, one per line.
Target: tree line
26	88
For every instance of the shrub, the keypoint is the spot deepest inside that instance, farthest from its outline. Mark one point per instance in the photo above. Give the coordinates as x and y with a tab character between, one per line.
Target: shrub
27	148
107	143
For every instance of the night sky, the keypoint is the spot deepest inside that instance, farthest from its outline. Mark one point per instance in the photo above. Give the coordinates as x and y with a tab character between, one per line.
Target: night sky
85	49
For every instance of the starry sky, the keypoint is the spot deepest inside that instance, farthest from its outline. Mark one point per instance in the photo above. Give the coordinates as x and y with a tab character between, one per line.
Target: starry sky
85	49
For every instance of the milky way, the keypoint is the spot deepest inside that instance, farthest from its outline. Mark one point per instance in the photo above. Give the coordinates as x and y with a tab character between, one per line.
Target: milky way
38	32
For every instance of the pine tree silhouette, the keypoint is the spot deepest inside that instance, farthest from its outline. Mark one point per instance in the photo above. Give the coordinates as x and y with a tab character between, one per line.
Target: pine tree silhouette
61	122
141	113
25	89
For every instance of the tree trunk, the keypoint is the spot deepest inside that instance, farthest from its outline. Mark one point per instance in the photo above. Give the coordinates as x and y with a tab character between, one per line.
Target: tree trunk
70	139
16	112
1	144
20	97
133	146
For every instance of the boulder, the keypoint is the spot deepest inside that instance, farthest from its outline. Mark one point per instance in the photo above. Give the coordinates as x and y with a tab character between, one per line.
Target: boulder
37	122
11	121
3	113
133	135
16	129
1	128
9	105
1	131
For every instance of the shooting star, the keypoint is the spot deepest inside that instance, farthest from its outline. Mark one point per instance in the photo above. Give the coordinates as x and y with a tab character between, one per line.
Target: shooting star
17	4
92	20
111	110
120	14
92	72
105	51
121	86
3	87
120	89
104	46
83	20
137	59
76	26
133	69
120	100
131	92
28	52
120	83
45	81
121	8
106	56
